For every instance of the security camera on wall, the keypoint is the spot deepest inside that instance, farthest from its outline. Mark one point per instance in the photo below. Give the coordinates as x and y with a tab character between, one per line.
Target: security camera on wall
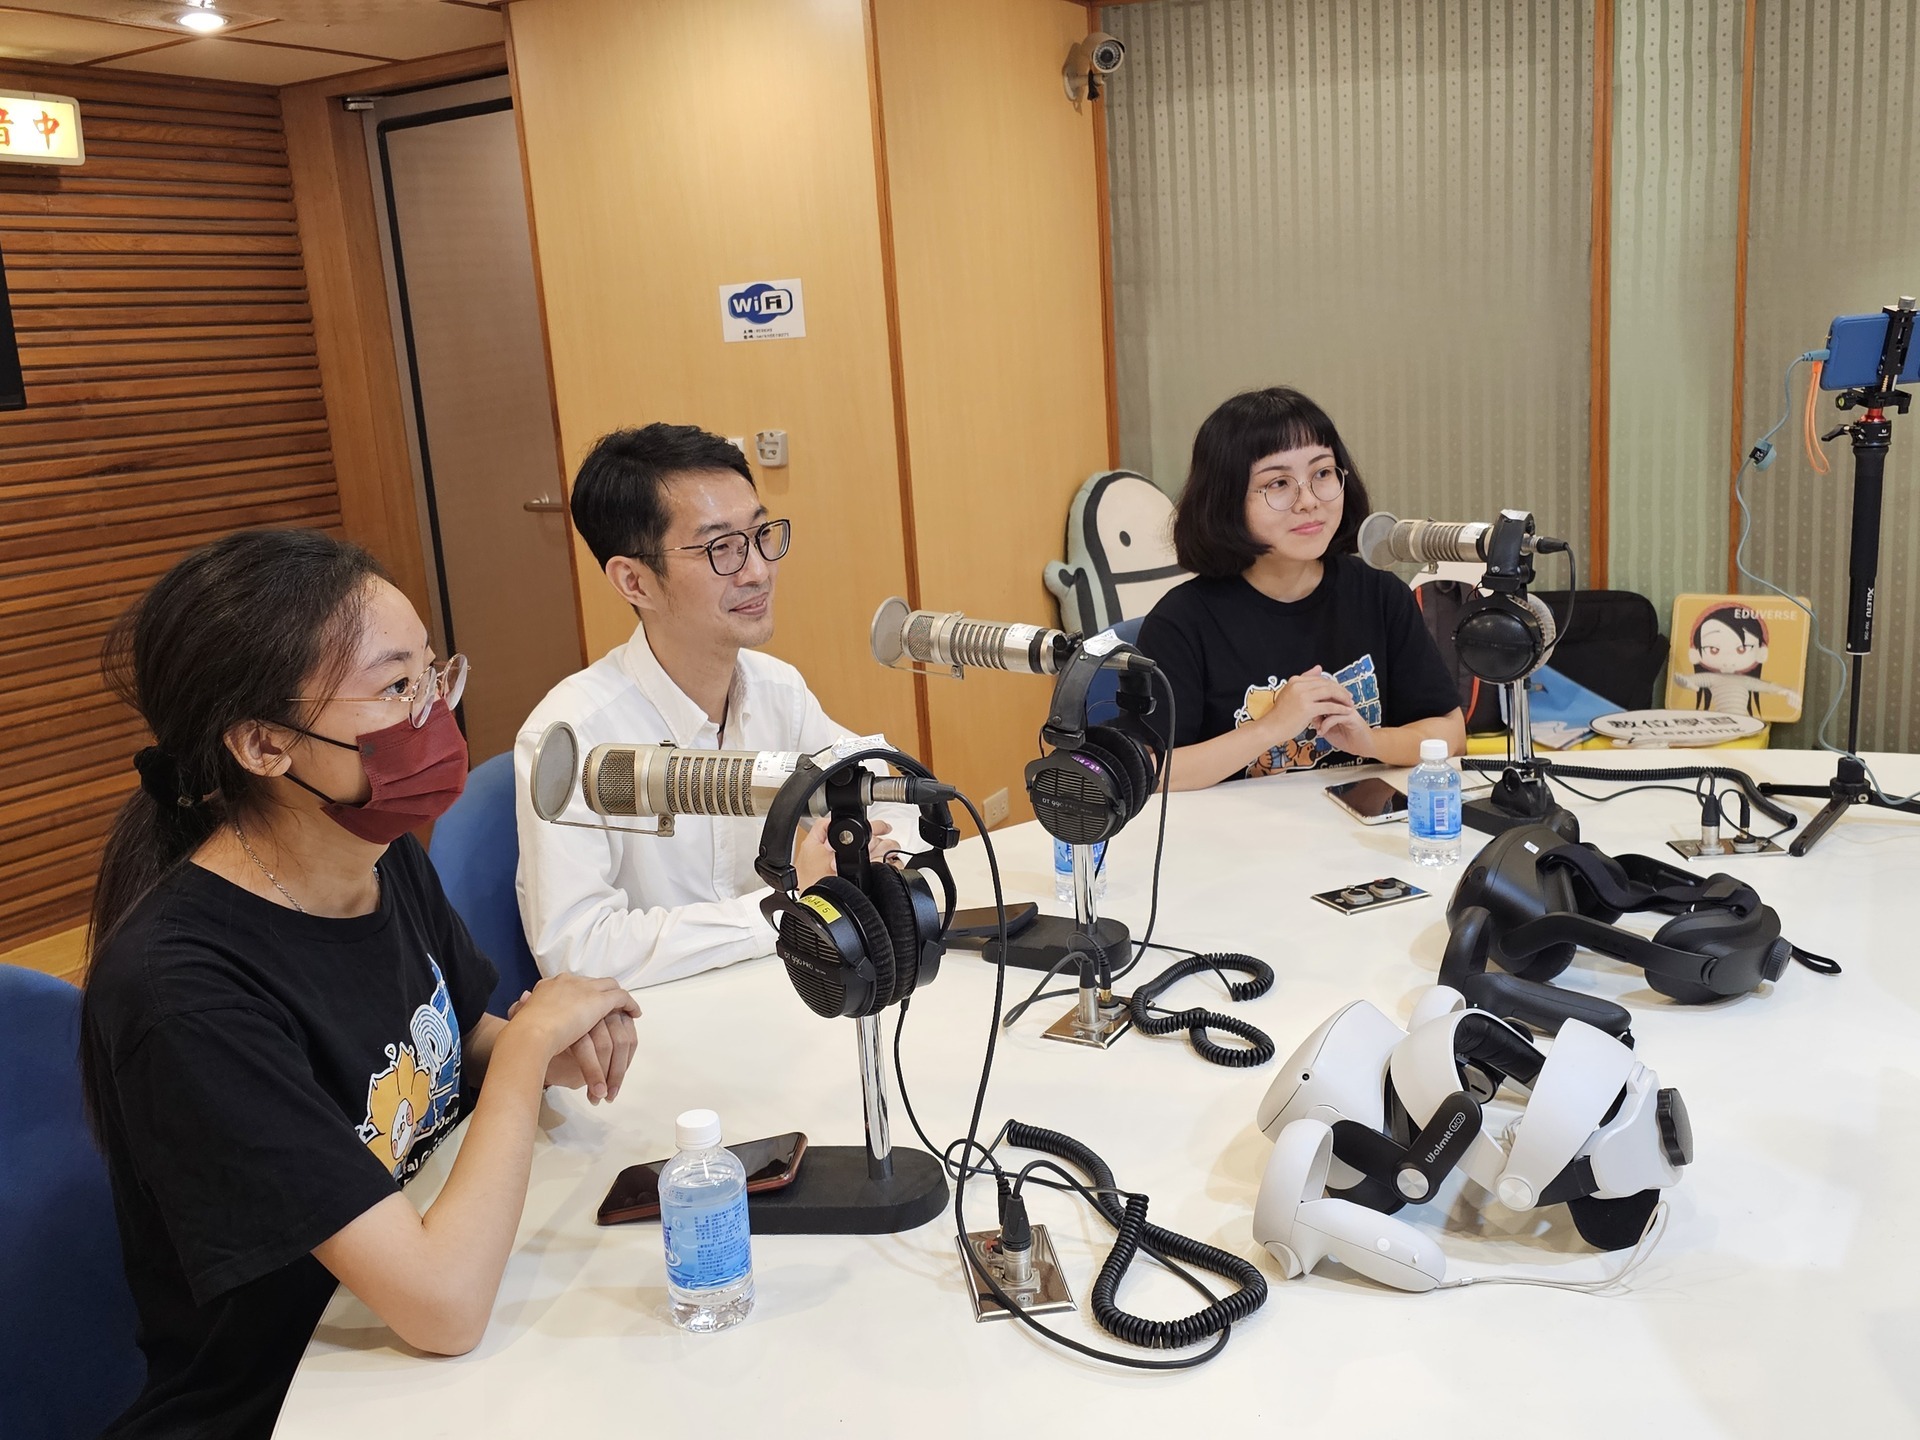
1088	62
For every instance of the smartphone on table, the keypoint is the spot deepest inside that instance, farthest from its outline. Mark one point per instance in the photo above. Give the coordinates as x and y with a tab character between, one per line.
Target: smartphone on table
770	1164
1371	801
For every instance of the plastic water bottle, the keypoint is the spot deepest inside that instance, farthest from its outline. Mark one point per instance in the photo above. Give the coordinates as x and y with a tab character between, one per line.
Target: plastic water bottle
703	1222
1433	806
1063	871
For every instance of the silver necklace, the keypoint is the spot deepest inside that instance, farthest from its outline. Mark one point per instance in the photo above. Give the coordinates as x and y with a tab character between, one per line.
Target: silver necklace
273	879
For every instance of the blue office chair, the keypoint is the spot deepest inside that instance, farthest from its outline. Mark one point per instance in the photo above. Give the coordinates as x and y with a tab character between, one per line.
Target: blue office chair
68	1362
476	850
1106	685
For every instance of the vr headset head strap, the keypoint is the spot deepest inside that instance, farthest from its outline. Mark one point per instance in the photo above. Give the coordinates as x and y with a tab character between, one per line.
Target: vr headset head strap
1686	965
1639	882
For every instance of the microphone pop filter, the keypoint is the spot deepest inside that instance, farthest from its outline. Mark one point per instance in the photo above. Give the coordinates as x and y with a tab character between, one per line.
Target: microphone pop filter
1375	531
889	625
556	769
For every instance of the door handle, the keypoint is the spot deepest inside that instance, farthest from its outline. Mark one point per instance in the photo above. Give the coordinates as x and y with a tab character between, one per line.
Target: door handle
543	503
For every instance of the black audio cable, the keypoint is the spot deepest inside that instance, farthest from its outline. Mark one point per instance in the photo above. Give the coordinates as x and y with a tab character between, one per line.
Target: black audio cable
967	1167
1556	770
1132	1233
1150	1019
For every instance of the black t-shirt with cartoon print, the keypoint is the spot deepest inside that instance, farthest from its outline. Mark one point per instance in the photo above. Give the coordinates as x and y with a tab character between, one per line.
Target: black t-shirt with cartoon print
1226	649
265	1078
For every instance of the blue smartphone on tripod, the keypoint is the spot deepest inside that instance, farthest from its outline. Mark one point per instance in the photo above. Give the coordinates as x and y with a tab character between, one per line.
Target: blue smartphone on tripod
1854	346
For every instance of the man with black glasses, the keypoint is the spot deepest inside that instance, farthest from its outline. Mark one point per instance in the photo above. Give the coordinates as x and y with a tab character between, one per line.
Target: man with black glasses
672	516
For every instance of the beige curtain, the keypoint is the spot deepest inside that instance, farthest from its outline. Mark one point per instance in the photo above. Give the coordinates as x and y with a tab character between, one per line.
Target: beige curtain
1385	202
1835	230
1676	173
1382	202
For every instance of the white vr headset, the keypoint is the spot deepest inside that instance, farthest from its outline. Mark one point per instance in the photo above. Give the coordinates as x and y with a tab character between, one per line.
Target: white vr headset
1366	1117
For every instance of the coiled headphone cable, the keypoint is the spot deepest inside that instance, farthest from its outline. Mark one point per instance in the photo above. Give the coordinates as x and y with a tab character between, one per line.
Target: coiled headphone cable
1150	1019
1133	1234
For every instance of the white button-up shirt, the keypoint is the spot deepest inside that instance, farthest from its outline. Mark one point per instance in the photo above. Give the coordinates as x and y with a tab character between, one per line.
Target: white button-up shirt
645	910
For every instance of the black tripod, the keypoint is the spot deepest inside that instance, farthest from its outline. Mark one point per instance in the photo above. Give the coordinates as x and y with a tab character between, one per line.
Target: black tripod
1872	434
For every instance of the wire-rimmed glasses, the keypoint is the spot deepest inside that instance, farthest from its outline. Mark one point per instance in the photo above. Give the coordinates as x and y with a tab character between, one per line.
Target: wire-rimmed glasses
1282	492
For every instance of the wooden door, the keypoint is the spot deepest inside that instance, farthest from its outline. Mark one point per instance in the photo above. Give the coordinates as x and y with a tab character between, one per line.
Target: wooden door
483	419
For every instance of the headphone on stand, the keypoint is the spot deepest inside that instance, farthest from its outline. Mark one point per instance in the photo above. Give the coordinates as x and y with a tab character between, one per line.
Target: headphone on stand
852	947
1504	634
1096	777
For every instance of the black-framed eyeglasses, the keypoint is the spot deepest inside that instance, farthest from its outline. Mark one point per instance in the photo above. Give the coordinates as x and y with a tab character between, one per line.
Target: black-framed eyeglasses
1282	493
727	553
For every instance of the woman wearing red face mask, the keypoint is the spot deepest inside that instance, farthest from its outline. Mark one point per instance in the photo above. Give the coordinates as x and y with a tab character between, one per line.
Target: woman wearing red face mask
283	1013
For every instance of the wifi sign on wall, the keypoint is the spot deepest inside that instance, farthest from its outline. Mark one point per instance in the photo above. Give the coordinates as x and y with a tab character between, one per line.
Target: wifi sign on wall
762	310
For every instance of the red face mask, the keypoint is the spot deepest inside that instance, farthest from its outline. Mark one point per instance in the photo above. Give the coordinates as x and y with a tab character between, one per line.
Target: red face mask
416	777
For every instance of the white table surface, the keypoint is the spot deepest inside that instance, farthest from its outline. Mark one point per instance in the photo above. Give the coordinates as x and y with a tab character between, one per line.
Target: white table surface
1781	1302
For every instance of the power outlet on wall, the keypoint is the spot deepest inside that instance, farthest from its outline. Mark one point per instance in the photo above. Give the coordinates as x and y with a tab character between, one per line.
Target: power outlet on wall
996	808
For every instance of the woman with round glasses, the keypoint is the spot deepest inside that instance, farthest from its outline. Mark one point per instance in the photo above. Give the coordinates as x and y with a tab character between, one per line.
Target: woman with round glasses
283	1015
1286	651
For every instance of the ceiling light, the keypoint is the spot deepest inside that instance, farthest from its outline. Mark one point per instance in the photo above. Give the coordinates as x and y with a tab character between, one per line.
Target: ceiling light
203	17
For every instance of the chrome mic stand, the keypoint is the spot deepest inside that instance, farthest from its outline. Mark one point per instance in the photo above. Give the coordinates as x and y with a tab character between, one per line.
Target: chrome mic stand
1097	1018
1503	656
870	1189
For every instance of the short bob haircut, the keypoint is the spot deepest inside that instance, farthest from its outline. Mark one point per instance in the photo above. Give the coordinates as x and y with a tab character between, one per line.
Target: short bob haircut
1210	534
619	503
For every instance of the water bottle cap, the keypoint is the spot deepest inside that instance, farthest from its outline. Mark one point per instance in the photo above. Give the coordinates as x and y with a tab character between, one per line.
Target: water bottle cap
1433	749
696	1130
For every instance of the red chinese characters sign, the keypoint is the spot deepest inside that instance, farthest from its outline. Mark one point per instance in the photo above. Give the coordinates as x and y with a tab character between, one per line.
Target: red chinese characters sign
40	130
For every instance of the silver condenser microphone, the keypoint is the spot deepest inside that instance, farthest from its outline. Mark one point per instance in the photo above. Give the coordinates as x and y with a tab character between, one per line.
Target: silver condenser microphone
951	641
1385	541
665	780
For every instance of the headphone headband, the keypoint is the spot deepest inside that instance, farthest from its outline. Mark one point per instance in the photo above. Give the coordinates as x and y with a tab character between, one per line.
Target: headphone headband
1066	723
774	864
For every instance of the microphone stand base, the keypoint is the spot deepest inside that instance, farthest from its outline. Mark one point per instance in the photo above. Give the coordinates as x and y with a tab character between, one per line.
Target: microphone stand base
1521	796
832	1194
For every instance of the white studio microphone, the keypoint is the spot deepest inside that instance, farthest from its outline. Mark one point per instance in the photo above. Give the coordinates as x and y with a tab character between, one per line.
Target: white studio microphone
952	642
665	780
1385	541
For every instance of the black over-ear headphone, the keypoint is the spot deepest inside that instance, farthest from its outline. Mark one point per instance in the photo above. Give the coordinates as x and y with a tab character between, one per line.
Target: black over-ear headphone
1097	777
854	947
1530	899
1504	634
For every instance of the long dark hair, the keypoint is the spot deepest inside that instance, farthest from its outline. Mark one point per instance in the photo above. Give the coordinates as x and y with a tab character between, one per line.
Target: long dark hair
1210	535
226	636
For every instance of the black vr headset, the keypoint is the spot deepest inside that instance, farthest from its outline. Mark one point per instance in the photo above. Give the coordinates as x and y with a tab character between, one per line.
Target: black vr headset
1530	899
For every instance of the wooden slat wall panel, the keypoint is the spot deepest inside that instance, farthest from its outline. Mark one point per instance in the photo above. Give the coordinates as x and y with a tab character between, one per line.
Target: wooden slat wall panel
173	395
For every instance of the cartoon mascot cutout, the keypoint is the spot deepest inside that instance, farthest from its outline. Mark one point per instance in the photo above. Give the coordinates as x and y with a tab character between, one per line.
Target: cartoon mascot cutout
1120	557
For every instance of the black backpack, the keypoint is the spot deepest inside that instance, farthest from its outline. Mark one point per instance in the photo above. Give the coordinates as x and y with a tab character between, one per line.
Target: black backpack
1615	648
